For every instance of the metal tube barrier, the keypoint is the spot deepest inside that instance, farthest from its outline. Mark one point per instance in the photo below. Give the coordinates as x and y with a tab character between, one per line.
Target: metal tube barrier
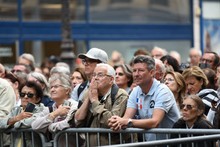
15	133
149	143
210	134
170	141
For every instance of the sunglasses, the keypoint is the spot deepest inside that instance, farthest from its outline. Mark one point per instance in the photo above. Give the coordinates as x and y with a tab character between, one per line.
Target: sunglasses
188	107
29	95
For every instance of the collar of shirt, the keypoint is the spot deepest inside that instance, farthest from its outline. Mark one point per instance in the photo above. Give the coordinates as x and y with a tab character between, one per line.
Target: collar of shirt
105	96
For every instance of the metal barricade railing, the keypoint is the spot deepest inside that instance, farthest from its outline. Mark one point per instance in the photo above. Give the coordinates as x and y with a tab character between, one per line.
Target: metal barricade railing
210	134
14	133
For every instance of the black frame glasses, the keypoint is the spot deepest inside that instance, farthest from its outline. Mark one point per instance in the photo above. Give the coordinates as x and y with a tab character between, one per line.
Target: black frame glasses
29	95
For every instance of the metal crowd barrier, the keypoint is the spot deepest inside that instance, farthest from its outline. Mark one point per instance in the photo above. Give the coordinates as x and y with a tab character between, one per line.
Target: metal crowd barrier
210	134
14	133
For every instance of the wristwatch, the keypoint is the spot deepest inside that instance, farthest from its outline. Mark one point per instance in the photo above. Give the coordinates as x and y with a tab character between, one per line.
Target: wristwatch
130	124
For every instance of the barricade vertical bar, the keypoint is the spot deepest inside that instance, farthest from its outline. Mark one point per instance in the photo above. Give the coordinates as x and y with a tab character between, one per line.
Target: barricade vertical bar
66	139
120	138
77	139
1	138
32	139
132	137
143	136
98	139
87	140
22	138
109	138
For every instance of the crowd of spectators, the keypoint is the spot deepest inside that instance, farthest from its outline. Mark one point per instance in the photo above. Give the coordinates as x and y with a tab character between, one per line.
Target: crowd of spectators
153	90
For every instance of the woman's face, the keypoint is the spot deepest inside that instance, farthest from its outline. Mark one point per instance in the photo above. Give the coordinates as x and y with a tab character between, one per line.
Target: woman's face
189	110
171	83
76	78
28	95
58	91
193	86
120	78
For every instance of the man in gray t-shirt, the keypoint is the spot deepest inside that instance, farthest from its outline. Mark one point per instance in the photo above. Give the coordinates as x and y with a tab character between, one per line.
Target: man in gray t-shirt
151	100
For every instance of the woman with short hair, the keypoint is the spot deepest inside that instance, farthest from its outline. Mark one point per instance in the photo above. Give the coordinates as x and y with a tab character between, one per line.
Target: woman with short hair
22	116
123	77
193	117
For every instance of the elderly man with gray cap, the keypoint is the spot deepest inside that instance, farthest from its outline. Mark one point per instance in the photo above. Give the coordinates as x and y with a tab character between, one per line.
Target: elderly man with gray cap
89	60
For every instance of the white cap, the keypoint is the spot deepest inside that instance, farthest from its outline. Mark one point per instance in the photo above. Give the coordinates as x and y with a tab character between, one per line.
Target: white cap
95	53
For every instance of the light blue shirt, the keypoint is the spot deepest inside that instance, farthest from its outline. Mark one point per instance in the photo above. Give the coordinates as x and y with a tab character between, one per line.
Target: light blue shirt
158	97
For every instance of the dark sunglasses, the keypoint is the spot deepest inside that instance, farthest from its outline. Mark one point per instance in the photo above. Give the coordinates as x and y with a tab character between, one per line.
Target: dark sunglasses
188	107
29	95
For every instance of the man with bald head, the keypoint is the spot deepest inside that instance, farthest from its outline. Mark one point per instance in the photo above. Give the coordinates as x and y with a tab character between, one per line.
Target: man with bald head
195	56
158	52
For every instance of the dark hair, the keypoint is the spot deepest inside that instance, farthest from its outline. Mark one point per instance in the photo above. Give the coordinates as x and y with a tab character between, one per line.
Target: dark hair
171	61
216	60
141	52
35	86
148	60
199	103
12	77
82	72
211	76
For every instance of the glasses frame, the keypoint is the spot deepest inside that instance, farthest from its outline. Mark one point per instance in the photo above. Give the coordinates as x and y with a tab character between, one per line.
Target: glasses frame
187	106
100	75
29	95
89	61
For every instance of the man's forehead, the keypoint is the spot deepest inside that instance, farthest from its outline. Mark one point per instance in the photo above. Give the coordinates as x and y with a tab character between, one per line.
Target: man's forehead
100	69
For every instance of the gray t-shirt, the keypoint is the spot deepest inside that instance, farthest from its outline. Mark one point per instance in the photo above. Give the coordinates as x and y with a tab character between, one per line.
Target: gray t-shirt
158	97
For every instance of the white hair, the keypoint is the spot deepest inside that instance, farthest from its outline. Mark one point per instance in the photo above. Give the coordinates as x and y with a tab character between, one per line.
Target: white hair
110	69
60	69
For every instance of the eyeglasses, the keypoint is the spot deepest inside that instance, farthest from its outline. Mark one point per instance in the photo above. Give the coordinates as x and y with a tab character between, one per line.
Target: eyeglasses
15	71
88	61
188	107
99	75
56	86
206	61
119	73
169	80
29	95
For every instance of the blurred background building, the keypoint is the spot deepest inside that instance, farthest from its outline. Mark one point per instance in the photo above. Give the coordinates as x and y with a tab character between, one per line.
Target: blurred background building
34	26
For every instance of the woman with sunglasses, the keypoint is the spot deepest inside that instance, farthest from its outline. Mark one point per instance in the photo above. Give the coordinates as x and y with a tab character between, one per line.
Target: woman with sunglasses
193	117
22	116
123	76
42	81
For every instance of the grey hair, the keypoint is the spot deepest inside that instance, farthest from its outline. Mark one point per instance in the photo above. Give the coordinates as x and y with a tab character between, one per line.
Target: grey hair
42	79
161	65
110	69
148	60
62	64
60	69
30	58
64	79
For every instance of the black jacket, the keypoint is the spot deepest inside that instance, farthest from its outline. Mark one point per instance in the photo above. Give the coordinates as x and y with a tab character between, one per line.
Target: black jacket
199	124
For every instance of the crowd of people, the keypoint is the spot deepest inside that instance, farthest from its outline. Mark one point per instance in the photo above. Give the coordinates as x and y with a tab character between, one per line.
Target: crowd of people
154	90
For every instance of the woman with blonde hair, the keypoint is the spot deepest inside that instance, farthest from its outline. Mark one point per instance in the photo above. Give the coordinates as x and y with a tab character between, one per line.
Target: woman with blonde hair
176	84
195	79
